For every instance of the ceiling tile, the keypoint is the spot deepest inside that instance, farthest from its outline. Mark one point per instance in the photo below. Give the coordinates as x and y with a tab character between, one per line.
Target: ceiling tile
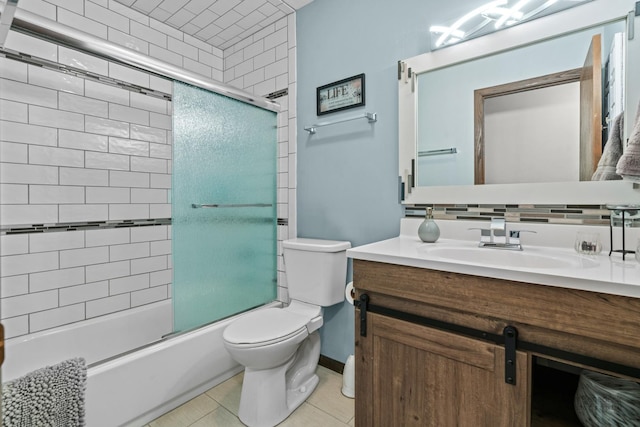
204	18
197	6
160	14
189	28
207	32
273	18
173	5
218	23
251	20
267	9
231	32
146	5
223	6
297	4
216	41
180	18
248	6
228	19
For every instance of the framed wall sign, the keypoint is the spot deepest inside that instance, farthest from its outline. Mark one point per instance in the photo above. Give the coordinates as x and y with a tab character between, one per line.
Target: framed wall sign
340	95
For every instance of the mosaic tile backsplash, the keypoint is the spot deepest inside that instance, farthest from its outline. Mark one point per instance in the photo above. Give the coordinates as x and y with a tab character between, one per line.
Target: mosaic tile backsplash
550	214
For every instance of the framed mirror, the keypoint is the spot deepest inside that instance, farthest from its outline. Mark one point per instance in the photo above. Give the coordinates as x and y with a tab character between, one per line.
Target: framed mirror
443	98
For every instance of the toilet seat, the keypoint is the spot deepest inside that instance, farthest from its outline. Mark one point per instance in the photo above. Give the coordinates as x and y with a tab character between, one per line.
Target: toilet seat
265	327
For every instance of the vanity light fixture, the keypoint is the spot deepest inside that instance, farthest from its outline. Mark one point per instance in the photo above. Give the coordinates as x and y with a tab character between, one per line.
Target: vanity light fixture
500	13
476	12
441	30
513	13
546	5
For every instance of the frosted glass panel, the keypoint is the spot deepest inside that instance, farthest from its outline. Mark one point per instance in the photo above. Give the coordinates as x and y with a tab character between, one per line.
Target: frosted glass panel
224	251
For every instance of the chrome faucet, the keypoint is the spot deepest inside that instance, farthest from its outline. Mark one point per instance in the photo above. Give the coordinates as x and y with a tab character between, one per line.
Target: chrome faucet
498	237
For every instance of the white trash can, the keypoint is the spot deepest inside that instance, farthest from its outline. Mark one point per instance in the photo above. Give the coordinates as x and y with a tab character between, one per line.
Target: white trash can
348	378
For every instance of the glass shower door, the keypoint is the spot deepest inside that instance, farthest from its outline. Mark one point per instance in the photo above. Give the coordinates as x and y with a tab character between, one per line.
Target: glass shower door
223	206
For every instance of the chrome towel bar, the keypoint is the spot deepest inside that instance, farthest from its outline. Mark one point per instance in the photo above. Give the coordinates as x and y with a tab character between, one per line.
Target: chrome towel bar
452	150
371	117
232	205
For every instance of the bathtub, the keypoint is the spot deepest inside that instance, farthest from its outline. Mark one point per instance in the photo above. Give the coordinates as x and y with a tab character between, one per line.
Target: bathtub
134	388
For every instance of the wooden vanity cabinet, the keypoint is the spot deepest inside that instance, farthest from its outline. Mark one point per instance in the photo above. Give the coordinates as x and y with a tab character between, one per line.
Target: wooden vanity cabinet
415	372
432	353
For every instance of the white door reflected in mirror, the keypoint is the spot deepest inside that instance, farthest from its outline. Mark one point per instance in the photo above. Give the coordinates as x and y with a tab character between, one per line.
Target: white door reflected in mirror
533	136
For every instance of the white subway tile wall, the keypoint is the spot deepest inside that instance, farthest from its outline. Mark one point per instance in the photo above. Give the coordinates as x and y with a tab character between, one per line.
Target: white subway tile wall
76	150
56	278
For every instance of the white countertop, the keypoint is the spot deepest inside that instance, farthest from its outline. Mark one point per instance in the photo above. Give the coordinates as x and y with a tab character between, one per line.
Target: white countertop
598	273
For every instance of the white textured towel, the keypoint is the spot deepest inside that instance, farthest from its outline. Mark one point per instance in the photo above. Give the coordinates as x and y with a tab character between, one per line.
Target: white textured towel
52	396
606	170
629	164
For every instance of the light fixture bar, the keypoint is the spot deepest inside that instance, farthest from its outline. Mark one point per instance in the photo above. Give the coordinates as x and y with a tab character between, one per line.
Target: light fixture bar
467	17
515	9
478	27
439	29
537	10
499	13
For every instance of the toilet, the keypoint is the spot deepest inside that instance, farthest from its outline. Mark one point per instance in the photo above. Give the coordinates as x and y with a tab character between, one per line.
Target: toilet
280	347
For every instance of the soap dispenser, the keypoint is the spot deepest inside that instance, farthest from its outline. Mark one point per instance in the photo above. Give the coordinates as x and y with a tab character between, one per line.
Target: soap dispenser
429	231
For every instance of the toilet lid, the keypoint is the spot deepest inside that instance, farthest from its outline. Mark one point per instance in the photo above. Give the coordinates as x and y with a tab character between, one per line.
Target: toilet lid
271	324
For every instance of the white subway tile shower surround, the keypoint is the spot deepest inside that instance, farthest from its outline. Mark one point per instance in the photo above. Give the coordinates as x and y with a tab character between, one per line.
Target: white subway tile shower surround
73	275
77	150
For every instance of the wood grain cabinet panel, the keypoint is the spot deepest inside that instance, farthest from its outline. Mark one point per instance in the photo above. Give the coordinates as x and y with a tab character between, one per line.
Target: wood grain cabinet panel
424	377
422	361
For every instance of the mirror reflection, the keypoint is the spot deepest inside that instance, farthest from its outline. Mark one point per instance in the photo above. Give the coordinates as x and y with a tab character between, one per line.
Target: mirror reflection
539	113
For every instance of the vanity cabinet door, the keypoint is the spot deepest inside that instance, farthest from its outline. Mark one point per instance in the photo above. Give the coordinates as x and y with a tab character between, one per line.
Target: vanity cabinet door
412	375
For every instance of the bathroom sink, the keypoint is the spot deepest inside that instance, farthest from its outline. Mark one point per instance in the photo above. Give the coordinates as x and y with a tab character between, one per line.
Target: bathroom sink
515	259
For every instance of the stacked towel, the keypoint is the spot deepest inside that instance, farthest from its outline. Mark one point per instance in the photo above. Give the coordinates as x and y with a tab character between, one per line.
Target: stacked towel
52	396
606	170
629	164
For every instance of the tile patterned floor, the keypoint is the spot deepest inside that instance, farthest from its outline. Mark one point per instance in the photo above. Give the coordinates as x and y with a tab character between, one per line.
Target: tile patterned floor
218	407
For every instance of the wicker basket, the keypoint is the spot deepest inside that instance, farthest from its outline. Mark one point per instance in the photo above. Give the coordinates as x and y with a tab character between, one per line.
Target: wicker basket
602	400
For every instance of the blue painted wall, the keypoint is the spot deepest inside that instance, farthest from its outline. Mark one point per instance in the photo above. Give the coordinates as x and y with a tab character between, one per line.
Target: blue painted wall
348	173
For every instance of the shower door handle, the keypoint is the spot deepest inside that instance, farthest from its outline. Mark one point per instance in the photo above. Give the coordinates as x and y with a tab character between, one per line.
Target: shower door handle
233	205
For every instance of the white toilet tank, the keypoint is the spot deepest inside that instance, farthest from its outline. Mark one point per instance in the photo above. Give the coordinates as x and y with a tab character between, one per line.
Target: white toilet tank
316	270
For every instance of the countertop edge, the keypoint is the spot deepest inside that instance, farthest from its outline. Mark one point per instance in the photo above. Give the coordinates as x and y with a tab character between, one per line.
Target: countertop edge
378	252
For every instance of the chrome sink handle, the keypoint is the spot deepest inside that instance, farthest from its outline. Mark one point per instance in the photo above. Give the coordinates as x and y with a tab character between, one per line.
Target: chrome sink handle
485	234
497	228
505	239
514	235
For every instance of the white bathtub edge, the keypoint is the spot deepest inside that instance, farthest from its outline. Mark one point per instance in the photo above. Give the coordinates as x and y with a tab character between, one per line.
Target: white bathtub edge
93	339
138	387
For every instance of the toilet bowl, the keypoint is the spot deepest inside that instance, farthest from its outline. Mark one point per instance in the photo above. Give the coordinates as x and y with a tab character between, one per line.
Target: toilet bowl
280	347
268	338
280	354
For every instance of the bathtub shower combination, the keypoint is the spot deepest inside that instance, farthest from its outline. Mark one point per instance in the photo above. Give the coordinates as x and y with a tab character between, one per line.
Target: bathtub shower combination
144	361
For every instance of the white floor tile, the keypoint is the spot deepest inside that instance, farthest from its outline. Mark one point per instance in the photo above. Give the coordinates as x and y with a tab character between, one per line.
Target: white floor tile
326	407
